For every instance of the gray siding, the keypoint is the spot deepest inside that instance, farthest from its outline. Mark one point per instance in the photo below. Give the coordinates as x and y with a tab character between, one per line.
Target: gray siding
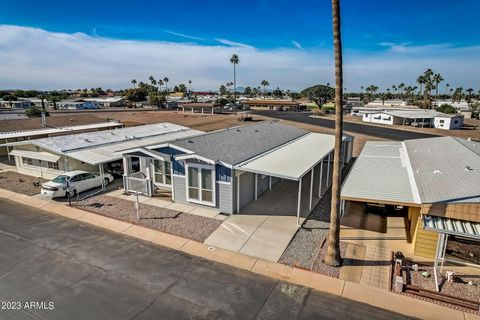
247	188
225	198
179	186
262	184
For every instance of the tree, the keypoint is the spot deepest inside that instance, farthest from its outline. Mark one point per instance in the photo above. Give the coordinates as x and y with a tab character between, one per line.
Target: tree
446	108
190	85
469	96
264	84
320	94
222	90
248	91
35	112
54	98
136	95
437	78
446	89
234	60
475	109
457	95
332	257
160	84
166	83
134	82
10	98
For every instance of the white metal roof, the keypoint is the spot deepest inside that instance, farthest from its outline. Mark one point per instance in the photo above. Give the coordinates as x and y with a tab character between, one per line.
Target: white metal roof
452	226
45	156
292	160
113	151
48	131
381	173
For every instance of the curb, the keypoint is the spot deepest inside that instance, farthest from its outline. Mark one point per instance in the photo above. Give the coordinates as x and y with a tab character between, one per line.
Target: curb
353	291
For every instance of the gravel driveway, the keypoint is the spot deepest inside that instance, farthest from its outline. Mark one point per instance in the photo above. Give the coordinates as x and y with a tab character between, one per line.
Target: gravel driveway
177	223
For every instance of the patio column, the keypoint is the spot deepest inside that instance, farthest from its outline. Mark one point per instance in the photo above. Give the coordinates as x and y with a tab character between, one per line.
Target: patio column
299	200
238	193
256	186
100	168
8	151
328	169
321	178
269	182
311	187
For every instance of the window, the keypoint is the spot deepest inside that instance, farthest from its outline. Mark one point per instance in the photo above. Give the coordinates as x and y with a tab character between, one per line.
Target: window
442	121
200	184
52	165
162	172
28	161
77	178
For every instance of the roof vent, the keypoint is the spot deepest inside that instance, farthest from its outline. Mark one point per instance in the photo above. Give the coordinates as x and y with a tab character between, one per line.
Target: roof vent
437	172
238	130
256	130
190	141
468	168
87	140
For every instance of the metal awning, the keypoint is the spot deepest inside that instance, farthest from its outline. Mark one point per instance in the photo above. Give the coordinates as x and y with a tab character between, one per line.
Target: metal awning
45	156
293	160
451	226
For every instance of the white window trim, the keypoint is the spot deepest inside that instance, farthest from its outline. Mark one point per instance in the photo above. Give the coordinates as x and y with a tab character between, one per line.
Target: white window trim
152	169
214	191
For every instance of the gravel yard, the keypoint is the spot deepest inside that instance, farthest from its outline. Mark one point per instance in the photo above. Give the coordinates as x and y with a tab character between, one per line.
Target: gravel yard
177	223
20	183
458	288
309	245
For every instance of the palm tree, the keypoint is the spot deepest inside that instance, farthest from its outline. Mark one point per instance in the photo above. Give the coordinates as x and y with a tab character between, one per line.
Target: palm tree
446	88
166	83
332	257
190	85
134	82
234	60
437	78
264	84
160	84
421	82
401	86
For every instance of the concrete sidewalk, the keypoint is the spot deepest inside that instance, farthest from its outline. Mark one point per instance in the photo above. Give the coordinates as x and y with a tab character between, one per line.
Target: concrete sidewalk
354	291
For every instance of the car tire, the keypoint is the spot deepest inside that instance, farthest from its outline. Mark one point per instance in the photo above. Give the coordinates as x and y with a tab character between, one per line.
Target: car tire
72	193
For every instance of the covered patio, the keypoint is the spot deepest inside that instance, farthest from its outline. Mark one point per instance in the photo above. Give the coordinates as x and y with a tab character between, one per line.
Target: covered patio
289	180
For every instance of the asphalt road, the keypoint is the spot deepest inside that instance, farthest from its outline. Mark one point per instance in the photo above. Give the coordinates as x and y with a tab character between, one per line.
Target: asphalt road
376	131
85	272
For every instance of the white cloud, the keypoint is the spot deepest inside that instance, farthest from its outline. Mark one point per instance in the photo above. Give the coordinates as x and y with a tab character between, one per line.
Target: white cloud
39	59
183	35
297	44
233	43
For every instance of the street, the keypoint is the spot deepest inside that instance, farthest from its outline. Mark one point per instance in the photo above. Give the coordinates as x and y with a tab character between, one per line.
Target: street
376	131
55	268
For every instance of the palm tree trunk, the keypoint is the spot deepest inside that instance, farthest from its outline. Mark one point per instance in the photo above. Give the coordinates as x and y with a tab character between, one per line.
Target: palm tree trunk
234	86
333	251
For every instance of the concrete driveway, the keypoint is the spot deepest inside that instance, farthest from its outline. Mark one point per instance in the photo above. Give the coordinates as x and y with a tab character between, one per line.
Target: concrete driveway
90	273
265	237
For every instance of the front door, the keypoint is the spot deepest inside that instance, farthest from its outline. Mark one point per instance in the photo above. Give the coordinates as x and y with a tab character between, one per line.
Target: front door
200	185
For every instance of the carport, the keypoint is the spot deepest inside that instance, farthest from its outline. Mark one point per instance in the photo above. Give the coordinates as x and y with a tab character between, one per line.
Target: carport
310	155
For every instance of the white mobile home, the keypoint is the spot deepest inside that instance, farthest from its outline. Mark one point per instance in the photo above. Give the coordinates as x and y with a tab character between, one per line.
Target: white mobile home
231	168
92	151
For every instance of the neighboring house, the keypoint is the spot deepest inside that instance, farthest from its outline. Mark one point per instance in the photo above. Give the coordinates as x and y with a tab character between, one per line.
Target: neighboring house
229	168
417	118
17	104
281	105
108	102
21	135
92	151
77	105
425	180
201	107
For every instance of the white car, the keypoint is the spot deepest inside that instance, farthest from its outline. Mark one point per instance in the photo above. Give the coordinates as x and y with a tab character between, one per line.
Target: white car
74	182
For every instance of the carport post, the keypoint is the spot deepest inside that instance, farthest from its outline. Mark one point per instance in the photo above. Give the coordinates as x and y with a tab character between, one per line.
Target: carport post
321	178
299	200
269	182
100	167
311	188
328	170
256	186
238	192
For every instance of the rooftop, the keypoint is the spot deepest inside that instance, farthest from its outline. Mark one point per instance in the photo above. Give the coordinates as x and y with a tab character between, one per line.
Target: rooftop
237	144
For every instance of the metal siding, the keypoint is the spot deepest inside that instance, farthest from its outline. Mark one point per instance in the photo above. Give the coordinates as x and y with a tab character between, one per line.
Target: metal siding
179	187
224	194
247	188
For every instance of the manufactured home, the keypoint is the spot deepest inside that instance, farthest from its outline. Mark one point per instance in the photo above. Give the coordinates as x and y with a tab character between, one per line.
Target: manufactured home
93	151
405	195
230	168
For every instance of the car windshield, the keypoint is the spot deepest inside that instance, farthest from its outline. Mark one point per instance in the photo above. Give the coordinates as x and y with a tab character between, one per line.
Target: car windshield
60	179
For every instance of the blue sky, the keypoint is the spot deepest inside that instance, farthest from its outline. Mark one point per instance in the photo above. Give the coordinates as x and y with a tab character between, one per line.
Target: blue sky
385	42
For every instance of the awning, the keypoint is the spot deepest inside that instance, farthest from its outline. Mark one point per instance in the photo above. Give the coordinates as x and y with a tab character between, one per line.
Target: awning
293	160
451	226
45	156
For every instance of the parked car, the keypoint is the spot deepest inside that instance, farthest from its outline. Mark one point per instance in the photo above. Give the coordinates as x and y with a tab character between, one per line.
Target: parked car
74	182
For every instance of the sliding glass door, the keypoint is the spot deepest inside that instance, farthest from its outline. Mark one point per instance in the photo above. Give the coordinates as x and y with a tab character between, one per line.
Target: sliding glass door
200	184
